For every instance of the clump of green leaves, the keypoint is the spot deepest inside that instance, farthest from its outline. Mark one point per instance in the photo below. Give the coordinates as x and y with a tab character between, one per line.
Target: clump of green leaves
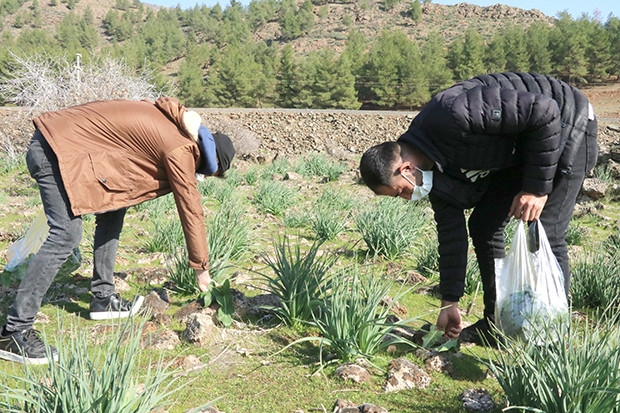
320	165
572	372
274	198
391	226
167	235
595	280
353	321
299	279
108	377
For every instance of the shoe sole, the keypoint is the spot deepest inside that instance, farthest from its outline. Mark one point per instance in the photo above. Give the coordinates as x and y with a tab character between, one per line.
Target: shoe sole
113	315
7	355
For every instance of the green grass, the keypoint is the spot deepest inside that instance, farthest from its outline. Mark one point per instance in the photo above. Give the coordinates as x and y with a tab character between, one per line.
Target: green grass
244	365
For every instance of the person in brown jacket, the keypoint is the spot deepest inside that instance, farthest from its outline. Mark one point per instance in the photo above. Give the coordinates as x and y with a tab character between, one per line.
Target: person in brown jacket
101	158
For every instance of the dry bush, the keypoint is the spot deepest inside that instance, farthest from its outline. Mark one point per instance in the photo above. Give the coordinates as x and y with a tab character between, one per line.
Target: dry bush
245	141
41	83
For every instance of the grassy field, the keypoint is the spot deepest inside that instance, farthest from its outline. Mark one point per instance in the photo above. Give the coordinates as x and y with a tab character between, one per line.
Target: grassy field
242	367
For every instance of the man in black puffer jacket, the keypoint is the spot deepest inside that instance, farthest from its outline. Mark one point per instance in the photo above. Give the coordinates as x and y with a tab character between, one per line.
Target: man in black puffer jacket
507	145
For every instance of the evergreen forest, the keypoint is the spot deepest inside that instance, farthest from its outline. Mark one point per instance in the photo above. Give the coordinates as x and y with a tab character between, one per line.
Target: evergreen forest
219	56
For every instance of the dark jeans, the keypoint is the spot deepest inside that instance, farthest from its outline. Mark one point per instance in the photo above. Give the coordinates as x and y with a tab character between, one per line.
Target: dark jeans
64	235
488	219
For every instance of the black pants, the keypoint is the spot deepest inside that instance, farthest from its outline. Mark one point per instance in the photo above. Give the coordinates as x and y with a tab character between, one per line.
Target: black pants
488	219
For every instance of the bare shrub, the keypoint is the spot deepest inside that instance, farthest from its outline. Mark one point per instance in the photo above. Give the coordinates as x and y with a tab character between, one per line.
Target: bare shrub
41	83
245	141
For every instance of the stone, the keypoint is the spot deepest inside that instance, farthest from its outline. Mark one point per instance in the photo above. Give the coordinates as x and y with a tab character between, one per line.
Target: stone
594	188
353	372
154	304
403	374
160	340
199	329
477	400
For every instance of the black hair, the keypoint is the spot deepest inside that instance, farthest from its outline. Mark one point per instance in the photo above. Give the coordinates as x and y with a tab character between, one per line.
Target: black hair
376	165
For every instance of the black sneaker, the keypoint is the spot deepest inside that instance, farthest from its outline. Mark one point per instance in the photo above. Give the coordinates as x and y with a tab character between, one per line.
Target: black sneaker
481	333
25	347
113	307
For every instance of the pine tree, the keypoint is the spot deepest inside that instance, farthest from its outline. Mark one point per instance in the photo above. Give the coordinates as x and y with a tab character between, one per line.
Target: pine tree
436	68
613	29
495	54
466	55
568	43
517	56
331	82
537	39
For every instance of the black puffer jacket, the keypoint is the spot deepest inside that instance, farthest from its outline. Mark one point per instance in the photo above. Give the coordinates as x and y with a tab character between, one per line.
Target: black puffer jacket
486	124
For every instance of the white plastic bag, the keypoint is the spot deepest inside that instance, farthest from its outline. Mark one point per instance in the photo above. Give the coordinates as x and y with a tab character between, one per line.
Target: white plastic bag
30	243
531	302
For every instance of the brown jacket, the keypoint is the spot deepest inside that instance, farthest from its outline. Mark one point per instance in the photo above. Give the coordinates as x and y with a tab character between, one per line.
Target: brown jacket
118	153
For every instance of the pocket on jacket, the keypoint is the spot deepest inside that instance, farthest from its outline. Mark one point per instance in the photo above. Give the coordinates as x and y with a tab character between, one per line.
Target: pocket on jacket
109	168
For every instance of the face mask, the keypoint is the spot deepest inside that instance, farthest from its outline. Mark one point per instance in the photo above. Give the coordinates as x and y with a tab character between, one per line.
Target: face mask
420	192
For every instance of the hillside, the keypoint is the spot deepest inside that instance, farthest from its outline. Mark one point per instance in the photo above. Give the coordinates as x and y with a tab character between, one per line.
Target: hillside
332	20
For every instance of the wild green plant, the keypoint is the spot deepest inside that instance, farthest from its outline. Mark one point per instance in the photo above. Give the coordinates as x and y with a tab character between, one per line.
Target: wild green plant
336	199
227	239
228	234
159	206
274	198
109	377
320	165
604	173
167	235
576	234
278	168
573	372
595	280
327	223
182	276
209	186
472	275
296	219
390	227
252	175
299	279
427	254
353	318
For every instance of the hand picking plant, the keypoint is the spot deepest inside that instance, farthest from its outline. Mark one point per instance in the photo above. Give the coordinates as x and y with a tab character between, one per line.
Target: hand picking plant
299	280
572	372
105	378
353	322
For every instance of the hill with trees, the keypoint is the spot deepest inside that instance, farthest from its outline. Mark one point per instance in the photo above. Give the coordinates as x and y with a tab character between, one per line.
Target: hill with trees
388	54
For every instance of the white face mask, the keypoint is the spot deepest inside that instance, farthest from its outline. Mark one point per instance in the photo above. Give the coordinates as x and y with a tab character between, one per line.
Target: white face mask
420	192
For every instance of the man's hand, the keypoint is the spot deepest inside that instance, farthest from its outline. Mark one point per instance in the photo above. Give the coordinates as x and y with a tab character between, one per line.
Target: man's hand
203	279
449	320
527	207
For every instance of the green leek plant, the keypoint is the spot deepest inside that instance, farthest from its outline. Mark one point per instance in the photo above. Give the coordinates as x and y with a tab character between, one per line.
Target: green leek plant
391	226
111	377
274	198
167	235
299	280
353	318
320	165
575	372
327	223
595	280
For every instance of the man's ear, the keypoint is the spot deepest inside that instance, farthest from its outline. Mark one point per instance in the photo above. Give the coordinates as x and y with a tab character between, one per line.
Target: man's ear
405	166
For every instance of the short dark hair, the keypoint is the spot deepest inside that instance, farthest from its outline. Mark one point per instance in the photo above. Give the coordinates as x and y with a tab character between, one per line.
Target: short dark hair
377	163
